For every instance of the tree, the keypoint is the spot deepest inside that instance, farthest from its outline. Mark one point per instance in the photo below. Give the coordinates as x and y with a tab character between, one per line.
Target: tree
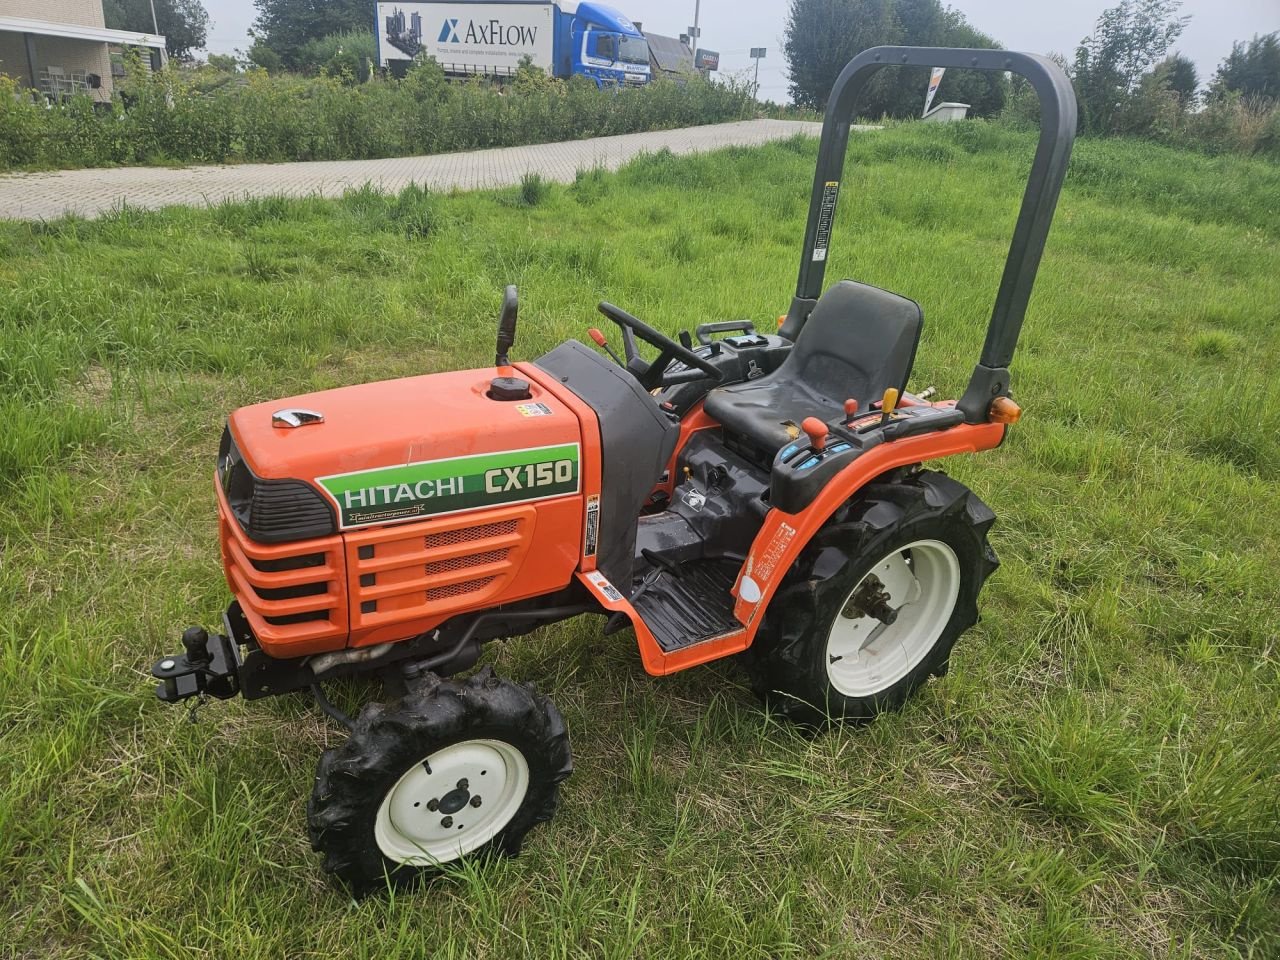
285	26
1126	42
1251	69
821	36
1178	75
184	23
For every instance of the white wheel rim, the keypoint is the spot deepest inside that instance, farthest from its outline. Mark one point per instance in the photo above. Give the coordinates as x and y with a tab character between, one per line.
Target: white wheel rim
865	656
431	815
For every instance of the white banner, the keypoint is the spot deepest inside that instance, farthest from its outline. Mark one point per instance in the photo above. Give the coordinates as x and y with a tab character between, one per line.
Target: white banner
935	78
467	37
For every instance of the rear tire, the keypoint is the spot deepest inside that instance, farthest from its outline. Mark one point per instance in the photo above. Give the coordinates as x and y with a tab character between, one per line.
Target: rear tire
453	770
913	552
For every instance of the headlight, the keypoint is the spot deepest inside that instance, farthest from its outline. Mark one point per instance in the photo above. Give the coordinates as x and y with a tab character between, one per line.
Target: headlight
271	511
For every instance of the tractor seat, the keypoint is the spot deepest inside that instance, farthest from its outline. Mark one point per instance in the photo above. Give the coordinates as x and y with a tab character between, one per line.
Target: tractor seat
858	341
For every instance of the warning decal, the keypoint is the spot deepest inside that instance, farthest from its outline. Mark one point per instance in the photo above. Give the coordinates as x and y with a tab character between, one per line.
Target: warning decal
826	213
591	540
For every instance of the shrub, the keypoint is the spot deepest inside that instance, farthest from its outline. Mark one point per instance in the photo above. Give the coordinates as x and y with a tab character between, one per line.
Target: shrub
212	117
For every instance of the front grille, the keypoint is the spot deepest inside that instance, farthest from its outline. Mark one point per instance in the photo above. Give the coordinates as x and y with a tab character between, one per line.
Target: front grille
459	589
462	563
434	567
447	538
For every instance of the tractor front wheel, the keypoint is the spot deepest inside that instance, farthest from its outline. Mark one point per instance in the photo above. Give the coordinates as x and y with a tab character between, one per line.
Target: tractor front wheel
454	769
875	601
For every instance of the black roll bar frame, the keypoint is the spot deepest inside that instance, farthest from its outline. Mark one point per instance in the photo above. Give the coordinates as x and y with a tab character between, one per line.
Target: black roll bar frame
1048	169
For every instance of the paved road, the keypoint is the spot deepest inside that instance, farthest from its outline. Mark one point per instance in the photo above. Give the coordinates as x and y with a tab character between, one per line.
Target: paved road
43	196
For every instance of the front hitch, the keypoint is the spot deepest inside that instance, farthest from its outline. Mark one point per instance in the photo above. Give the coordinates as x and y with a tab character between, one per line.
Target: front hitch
210	666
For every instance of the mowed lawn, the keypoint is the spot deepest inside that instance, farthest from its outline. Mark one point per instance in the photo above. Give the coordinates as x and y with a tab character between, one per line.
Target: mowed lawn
1098	775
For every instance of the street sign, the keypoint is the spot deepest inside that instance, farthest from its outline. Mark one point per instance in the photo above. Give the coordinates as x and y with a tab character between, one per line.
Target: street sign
706	60
757	53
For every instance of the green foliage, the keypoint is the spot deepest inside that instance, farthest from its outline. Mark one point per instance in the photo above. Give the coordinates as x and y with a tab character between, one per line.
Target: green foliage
1127	41
1251	69
1097	776
823	35
1178	75
177	116
348	54
286	26
224	63
184	23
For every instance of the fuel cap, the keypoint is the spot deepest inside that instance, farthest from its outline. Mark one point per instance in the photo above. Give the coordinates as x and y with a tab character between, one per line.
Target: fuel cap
509	388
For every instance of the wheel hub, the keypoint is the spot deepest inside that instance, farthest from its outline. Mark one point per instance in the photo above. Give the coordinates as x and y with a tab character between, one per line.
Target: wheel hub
892	618
455	799
432	814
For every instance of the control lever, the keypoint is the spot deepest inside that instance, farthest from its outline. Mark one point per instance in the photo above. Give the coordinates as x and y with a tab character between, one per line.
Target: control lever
595	334
817	431
888	405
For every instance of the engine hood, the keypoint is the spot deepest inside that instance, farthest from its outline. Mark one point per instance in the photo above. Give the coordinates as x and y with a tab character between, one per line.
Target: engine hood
404	449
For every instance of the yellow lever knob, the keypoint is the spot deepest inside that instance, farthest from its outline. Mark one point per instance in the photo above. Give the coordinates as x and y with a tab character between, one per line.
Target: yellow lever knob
890	401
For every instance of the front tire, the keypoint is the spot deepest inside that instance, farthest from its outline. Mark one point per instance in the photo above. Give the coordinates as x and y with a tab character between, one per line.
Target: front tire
453	770
875	602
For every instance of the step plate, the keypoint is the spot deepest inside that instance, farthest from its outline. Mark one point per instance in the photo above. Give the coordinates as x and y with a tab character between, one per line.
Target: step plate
691	608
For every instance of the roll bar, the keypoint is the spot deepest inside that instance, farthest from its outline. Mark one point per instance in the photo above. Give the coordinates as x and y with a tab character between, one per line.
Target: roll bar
1057	132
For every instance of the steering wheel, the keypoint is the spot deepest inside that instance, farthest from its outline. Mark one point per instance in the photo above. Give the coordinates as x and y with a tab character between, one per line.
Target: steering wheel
654	375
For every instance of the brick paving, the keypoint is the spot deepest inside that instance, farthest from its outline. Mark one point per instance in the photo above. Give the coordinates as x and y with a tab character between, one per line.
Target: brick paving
44	196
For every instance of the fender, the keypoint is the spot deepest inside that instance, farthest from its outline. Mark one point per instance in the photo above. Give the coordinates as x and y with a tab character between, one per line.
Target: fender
784	535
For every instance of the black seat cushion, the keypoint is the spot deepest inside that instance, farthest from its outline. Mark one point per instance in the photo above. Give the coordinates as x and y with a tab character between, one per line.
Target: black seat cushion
858	341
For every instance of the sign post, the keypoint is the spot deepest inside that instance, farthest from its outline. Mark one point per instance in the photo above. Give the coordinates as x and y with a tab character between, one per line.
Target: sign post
757	54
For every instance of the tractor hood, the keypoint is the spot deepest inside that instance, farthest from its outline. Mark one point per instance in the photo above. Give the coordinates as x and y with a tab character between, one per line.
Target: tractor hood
421	446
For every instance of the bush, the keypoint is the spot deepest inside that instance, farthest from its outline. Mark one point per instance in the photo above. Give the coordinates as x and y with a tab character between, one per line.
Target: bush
212	117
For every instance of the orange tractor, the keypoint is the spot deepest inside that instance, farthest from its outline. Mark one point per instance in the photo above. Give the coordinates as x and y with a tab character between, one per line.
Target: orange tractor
747	493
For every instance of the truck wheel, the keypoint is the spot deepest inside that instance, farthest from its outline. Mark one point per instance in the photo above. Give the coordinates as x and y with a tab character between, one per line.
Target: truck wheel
454	769
875	601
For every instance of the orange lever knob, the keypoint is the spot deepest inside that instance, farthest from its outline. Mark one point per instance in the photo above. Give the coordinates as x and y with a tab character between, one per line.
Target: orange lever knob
595	334
850	408
817	431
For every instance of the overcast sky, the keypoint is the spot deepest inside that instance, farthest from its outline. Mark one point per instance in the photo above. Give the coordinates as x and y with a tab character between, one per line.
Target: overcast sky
733	26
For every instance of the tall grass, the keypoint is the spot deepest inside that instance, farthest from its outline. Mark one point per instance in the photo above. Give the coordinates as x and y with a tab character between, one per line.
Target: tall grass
176	117
1097	776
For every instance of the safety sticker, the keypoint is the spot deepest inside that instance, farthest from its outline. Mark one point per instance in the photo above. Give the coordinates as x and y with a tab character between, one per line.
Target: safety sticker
604	586
593	526
533	409
826	213
434	487
773	552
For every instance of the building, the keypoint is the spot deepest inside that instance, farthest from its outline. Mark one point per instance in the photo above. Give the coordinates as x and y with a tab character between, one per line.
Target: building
60	47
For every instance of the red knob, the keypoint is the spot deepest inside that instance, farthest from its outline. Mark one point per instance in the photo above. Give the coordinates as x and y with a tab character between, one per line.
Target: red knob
817	431
850	408
595	334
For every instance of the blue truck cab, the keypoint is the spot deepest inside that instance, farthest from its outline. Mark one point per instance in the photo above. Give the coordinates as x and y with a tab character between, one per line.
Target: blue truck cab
595	40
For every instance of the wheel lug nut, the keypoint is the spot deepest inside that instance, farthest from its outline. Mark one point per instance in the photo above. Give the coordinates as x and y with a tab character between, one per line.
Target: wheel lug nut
475	801
433	804
462	784
447	822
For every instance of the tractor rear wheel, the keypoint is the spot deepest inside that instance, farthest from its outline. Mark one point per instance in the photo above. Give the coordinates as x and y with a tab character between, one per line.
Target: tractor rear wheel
454	769
876	600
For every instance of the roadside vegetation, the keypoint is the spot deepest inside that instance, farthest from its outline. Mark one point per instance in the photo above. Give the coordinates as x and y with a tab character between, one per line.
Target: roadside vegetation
1097	777
211	116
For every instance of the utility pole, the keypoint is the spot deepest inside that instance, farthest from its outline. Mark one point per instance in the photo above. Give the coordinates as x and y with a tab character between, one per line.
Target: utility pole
697	34
155	25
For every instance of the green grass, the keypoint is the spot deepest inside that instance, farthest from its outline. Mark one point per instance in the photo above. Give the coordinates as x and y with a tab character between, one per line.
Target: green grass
1098	776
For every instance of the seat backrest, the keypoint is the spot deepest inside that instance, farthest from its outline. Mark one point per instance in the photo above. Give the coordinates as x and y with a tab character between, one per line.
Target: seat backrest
858	341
